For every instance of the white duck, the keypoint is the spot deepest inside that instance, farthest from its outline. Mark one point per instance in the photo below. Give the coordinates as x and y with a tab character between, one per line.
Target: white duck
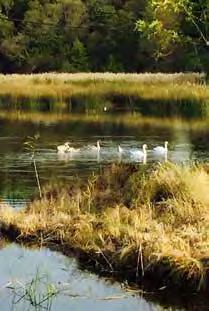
95	148
63	148
120	149
140	153
160	150
73	150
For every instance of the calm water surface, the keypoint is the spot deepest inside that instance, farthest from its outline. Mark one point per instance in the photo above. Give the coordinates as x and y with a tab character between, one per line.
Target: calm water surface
78	290
17	178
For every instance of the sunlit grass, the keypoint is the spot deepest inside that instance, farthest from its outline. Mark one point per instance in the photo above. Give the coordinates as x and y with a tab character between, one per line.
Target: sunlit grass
129	221
148	86
106	76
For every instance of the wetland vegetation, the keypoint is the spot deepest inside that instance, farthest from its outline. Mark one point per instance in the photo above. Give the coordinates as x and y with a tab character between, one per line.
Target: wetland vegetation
65	86
167	95
130	222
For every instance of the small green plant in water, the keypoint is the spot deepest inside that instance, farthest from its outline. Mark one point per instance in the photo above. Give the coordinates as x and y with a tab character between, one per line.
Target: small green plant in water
31	146
39	293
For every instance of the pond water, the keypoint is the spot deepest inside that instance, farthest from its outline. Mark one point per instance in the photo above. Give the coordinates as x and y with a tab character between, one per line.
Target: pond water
42	279
27	275
188	141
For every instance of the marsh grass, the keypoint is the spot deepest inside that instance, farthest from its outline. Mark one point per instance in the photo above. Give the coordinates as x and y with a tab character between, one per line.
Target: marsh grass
133	88
85	78
131	222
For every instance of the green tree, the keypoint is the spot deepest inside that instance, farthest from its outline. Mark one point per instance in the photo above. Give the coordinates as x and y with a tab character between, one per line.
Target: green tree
113	65
171	28
98	35
78	60
161	25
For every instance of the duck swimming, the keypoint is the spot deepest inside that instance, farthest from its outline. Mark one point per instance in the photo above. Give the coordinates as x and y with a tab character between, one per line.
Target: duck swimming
160	150
63	148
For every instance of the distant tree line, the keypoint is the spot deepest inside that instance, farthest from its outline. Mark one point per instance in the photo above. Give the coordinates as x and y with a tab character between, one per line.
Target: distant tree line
104	35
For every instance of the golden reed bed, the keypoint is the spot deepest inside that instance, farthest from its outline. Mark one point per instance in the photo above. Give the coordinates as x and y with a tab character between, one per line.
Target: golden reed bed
146	86
127	222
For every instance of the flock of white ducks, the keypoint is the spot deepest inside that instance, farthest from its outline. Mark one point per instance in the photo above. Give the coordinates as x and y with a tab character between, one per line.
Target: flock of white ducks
66	148
137	153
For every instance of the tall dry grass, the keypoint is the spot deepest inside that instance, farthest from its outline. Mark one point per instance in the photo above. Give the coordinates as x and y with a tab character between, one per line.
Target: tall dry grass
127	221
148	86
106	76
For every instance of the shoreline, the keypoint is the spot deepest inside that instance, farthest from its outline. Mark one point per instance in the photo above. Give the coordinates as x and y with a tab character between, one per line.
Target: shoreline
119	232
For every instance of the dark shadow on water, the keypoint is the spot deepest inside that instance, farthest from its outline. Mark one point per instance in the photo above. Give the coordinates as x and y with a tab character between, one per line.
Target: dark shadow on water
112	103
161	108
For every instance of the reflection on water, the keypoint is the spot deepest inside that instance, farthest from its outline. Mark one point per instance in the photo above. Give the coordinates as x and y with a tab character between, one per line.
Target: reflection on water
187	142
161	105
79	290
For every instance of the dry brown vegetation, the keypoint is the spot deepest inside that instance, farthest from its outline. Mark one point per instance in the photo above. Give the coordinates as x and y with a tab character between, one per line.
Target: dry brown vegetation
148	86
149	78
129	221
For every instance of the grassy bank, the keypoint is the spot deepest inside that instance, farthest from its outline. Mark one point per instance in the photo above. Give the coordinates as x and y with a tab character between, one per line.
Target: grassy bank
62	87
127	222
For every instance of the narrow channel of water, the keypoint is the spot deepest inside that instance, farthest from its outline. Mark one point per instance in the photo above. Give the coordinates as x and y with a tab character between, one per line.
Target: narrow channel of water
29	273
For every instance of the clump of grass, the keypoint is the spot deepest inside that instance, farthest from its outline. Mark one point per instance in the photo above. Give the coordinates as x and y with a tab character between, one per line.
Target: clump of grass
175	192
38	293
127	221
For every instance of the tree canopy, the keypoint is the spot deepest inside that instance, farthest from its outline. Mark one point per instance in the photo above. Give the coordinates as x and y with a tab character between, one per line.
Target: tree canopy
104	35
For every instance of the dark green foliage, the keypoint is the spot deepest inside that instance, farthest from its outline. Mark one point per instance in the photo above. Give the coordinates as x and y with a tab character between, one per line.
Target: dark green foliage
104	35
